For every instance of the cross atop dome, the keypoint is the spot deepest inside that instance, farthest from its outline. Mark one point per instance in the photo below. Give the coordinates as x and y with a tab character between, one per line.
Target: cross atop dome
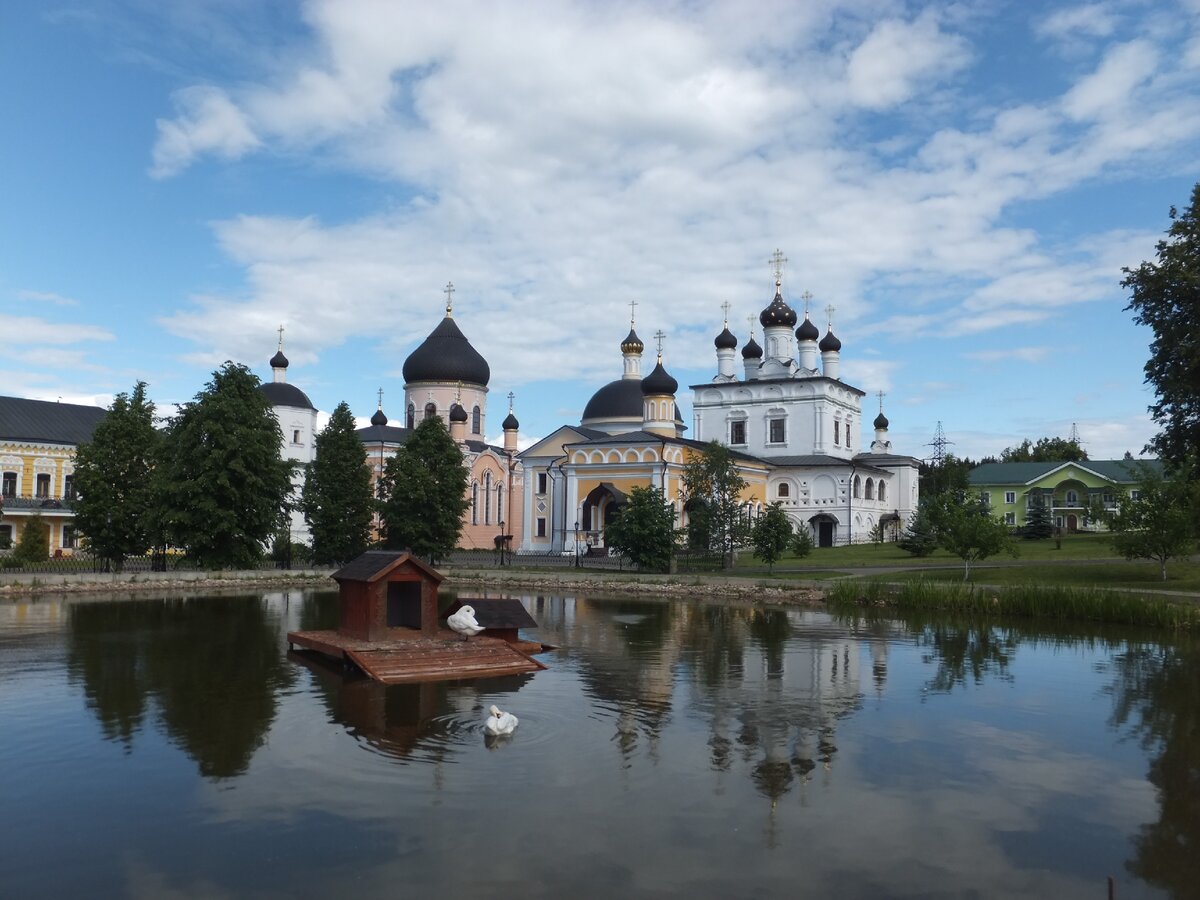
448	290
829	311
777	261
806	297
725	307
380	392
658	336
281	336
632	310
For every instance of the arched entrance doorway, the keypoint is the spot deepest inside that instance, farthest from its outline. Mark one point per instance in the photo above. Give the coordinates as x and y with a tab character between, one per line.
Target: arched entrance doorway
825	527
600	506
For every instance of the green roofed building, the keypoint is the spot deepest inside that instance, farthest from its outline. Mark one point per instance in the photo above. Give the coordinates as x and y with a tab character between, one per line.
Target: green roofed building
1068	488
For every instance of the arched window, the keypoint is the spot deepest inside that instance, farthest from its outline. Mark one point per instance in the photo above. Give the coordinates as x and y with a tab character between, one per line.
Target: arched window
474	502
487	498
857	487
882	491
410	420
783	490
430	410
499	503
476	420
870	489
1072	498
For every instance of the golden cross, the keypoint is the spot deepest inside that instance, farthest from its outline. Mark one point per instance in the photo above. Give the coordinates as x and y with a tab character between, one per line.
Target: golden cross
806	296
280	337
725	308
777	261
381	398
829	311
658	336
448	290
750	319
632	310
510	400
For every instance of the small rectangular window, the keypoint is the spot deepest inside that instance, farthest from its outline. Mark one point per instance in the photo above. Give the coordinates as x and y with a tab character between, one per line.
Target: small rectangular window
541	483
296	436
10	484
776	435
541	527
68	537
985	496
1010	518
837	433
43	485
737	432
68	487
1010	496
1135	495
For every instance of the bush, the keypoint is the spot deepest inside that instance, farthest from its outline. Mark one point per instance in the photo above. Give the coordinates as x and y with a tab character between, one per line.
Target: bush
802	542
34	544
10	562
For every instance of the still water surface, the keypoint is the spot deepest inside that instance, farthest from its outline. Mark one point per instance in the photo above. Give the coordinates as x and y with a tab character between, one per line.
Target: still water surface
173	748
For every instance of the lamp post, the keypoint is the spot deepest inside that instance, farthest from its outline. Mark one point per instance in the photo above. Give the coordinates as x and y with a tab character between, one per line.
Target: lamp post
577	543
501	542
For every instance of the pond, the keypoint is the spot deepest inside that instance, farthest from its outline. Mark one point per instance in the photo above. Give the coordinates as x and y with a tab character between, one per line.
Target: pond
173	747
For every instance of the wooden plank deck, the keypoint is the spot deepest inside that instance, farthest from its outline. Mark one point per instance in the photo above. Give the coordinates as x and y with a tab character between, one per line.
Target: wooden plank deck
413	657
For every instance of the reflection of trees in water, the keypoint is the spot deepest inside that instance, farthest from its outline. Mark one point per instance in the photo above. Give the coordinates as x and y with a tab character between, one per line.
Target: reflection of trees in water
212	666
965	651
1156	693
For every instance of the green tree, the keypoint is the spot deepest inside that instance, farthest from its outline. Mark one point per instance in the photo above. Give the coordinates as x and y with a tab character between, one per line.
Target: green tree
967	529
33	546
116	501
948	476
425	493
1159	524
920	537
644	529
225	485
1166	297
336	499
771	535
712	489
1038	524
1047	449
802	541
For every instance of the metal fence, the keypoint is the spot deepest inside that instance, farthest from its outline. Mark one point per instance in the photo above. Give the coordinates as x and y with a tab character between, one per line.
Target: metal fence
82	563
492	559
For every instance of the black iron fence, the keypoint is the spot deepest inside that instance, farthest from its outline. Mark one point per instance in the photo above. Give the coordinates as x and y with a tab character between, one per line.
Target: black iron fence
85	563
489	559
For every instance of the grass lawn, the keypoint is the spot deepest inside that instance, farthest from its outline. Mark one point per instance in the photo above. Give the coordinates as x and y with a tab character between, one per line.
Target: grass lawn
1074	547
1182	575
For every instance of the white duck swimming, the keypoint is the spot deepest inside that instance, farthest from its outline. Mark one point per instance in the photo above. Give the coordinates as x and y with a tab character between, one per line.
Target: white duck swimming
500	722
464	622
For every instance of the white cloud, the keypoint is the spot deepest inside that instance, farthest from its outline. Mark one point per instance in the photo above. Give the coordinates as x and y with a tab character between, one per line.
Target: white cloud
40	331
208	122
1088	20
1111	87
896	57
47	297
1016	354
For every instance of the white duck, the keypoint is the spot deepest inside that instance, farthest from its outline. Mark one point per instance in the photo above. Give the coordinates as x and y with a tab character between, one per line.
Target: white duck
500	722
464	622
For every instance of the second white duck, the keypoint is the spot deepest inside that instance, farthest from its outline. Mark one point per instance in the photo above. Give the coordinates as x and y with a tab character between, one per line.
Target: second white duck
464	622
500	722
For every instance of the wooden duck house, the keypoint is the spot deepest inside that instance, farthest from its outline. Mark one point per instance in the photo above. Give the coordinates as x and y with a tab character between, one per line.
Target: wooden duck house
382	590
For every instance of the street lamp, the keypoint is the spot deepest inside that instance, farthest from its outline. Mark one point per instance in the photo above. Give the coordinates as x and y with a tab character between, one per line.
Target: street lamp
577	543
502	542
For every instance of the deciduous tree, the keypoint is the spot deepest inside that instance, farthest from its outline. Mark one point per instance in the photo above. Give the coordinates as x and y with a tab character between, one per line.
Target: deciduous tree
1159	523
712	488
644	529
116	500
337	499
771	535
1166	297
1047	449
966	528
224	481
425	493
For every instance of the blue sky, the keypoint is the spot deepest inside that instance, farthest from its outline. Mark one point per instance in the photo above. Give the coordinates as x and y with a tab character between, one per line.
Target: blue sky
962	181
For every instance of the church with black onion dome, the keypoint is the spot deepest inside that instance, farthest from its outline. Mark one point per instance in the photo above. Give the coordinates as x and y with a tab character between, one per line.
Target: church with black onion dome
298	429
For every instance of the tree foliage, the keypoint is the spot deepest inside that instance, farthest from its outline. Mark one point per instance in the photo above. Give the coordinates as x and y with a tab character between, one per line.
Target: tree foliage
1047	449
224	483
948	476
1159	524
966	528
644	529
920	537
1166	297
116	501
712	489
336	499
1038	524
425	493
771	535
802	541
33	545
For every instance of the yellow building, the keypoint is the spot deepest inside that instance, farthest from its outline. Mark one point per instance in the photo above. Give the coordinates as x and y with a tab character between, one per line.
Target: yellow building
37	465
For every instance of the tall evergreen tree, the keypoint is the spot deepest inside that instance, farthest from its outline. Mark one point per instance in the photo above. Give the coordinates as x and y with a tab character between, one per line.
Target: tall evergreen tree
224	480
337	499
1166	297
712	488
771	535
113	480
425	493
644	529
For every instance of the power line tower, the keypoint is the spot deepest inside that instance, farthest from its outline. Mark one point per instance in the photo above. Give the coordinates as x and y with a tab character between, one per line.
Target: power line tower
939	444
1074	438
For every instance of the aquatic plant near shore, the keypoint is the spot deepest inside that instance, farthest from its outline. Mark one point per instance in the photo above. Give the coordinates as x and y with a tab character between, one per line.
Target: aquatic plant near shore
1055	602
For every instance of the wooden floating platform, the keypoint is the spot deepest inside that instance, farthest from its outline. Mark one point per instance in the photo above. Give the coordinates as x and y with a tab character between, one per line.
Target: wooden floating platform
411	656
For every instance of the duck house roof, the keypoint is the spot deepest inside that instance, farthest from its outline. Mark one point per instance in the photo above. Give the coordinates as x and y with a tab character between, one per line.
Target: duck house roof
499	613
376	564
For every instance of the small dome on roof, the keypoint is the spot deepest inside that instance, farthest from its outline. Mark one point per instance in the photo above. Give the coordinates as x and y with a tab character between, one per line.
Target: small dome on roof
829	342
279	361
280	393
659	382
752	350
725	340
510	423
807	330
632	343
379	418
778	312
457	413
881	421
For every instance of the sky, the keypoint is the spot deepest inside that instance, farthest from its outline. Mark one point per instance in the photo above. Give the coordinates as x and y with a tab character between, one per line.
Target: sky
962	182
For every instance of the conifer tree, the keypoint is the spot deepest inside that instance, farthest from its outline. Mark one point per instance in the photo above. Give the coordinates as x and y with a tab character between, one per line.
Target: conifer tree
424	493
771	535
336	499
116	500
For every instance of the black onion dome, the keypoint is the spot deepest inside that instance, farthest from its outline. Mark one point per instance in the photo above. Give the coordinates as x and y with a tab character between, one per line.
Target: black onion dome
752	350
446	355
725	340
510	423
280	393
807	331
379	418
778	313
279	361
457	413
659	382
829	342
881	421
620	399
632	343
